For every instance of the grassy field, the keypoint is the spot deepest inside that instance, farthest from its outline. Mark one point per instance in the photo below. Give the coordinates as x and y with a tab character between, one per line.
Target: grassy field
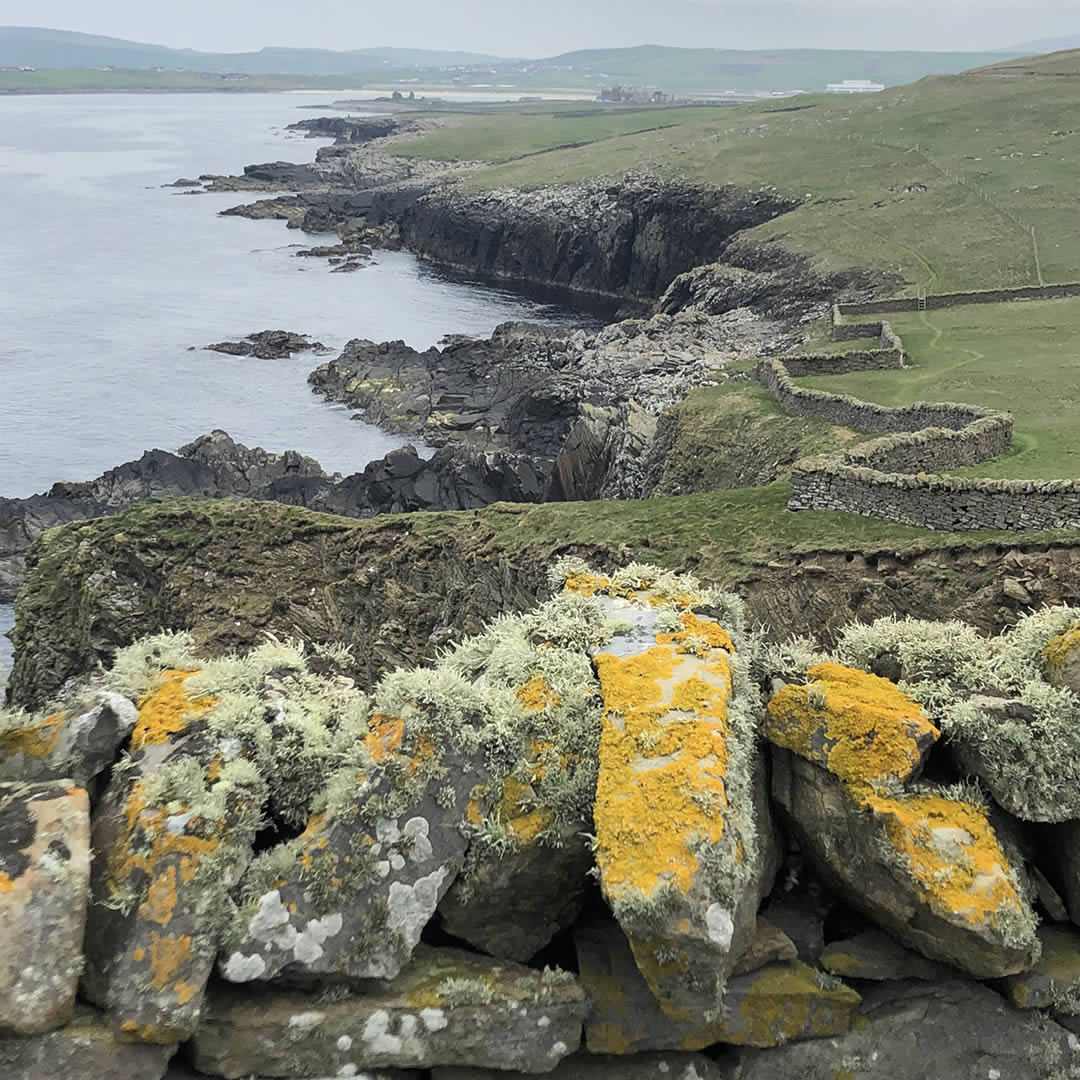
939	182
1022	358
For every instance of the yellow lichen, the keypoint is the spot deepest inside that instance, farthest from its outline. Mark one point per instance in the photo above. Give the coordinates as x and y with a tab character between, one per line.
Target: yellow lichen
952	853
706	633
537	695
37	740
526	825
1059	649
863	728
166	711
663	766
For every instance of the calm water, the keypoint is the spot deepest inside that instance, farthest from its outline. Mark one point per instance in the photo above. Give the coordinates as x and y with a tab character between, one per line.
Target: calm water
106	280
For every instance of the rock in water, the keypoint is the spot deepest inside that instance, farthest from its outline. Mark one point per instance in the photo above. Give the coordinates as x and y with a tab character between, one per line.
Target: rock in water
771	1006
44	880
173	834
86	1049
915	1031
446	1007
927	867
682	826
78	743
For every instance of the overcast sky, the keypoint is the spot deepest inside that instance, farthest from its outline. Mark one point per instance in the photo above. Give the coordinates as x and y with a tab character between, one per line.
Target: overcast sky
546	27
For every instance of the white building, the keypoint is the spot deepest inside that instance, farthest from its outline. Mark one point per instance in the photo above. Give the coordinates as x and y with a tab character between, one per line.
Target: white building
855	86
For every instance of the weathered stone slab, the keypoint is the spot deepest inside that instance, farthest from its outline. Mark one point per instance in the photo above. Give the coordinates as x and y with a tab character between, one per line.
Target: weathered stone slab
446	1007
857	726
660	1066
85	1049
361	886
928	868
773	1005
44	885
877	957
681	853
78	743
770	946
957	1030
172	835
1054	981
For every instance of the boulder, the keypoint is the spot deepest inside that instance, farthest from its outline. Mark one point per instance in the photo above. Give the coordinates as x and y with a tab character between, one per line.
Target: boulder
926	867
85	1048
875	956
669	1066
446	1007
683	834
770	946
173	834
78	743
920	1031
1054	981
857	726
44	881
768	1007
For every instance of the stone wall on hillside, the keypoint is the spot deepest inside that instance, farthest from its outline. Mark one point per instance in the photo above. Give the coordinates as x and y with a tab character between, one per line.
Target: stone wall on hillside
947	300
891	477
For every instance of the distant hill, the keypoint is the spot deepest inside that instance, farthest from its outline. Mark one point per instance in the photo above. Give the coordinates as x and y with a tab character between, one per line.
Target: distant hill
669	69
780	69
1065	62
31	46
1047	45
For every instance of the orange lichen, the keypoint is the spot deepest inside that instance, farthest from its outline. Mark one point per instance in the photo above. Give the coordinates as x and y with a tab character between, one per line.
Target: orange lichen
385	735
168	957
866	730
587	584
952	853
38	740
6	883
537	695
161	897
663	766
167	711
706	632
1059	649
526	825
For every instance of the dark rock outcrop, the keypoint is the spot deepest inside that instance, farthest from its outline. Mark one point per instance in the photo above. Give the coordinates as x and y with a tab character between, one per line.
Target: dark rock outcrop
629	238
268	345
351	129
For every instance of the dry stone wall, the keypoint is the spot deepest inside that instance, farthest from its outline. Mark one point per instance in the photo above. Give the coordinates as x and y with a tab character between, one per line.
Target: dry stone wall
947	300
891	477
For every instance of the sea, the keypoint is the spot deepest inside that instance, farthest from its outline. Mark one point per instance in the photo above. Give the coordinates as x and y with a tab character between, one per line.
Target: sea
112	284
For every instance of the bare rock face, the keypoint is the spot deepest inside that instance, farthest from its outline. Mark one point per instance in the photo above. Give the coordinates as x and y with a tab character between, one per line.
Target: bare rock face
928	868
916	1031
674	1066
768	1007
44	881
80	742
876	957
446	1007
682	825
1054	981
86	1047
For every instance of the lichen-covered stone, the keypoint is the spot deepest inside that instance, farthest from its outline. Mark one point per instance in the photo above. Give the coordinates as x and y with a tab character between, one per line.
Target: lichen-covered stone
680	831
77	743
85	1049
925	866
44	883
770	946
860	727
172	835
1054	981
1061	659
446	1007
875	956
768	1007
927	1031
657	1066
363	881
